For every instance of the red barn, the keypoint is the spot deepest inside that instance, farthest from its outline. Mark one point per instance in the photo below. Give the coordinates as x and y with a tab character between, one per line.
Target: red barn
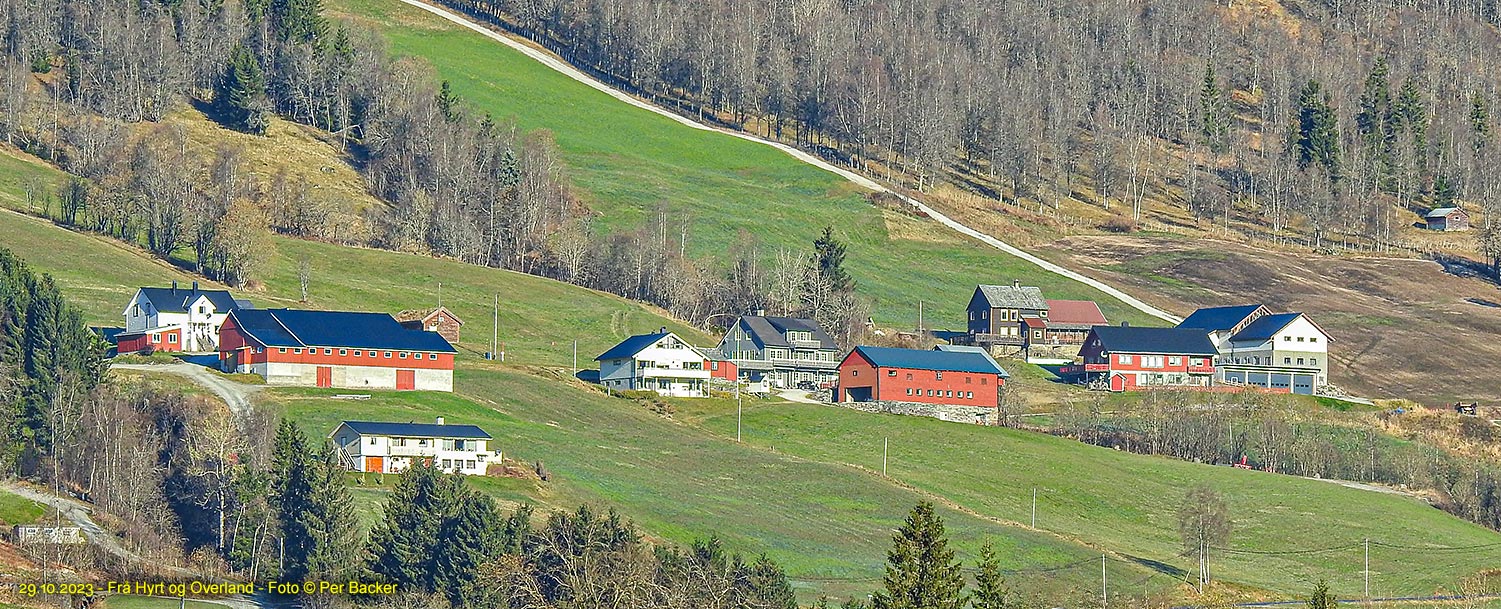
1124	358
334	349
960	378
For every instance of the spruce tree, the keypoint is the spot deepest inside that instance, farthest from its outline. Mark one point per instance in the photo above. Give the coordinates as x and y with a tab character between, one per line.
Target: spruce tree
828	259
921	571
1480	121
1322	598
331	521
471	536
1375	105
1444	192
403	546
240	97
291	497
1410	116
1316	136
1214	119
448	103
298	21
990	584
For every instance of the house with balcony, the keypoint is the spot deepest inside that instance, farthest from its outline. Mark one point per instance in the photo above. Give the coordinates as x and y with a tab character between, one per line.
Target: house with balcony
1124	358
660	362
1282	352
781	351
996	313
388	448
175	319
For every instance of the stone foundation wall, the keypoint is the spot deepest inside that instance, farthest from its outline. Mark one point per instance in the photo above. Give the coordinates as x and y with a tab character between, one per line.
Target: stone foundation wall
943	412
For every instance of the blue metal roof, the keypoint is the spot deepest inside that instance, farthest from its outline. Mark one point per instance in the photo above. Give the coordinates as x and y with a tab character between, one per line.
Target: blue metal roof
1265	327
1218	318
177	300
416	430
631	346
300	328
1166	341
922	359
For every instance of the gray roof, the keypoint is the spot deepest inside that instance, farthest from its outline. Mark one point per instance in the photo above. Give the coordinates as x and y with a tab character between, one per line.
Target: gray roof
1442	211
772	331
1014	297
177	300
973	349
416	430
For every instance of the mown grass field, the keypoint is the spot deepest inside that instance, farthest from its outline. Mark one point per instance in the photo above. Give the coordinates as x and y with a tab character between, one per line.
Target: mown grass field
1128	503
829	524
15	509
131	601
629	162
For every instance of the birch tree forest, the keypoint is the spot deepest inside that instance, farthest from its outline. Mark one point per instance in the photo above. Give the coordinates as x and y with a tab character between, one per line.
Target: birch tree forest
1017	99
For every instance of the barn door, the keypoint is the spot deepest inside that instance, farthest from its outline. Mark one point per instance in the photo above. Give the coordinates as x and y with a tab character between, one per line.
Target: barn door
406	379
325	376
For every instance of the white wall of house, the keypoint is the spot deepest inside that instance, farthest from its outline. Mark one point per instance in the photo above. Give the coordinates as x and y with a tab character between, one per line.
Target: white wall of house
349	377
1298	346
669	367
468	456
200	324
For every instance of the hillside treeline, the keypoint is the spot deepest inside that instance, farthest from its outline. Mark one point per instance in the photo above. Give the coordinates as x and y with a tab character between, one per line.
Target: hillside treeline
1273	435
1222	103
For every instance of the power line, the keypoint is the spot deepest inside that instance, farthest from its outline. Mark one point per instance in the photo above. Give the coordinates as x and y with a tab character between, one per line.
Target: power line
1290	552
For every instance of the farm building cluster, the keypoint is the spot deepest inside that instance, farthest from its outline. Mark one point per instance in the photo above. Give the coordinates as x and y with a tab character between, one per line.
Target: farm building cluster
1245	346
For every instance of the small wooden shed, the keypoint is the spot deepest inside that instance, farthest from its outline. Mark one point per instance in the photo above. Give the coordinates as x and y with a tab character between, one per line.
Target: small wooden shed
1447	219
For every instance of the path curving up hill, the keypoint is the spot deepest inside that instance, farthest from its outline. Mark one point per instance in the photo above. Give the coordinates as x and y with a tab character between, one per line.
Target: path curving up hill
568	70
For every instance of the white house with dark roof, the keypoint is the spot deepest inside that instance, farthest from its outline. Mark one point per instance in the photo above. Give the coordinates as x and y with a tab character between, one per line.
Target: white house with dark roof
1279	351
782	351
386	447
175	319
660	362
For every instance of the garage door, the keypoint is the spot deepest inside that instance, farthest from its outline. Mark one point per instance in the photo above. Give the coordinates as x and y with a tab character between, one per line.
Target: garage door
1303	384
375	464
1256	378
406	379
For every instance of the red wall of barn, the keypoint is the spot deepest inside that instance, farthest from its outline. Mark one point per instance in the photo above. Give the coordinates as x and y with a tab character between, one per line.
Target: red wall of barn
726	370
856	371
894	388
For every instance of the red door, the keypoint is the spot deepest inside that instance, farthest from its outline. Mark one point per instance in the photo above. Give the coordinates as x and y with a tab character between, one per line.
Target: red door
1118	382
375	464
325	376
406	379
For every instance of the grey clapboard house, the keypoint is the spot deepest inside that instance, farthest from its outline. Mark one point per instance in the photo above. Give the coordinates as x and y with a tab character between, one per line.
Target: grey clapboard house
783	351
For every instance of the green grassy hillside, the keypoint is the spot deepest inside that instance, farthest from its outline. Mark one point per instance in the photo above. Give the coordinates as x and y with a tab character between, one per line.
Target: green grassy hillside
629	161
828	524
1128	503
539	318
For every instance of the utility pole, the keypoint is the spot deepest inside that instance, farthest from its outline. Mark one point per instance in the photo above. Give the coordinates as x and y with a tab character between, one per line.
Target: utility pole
737	410
1034	507
919	317
575	357
885	446
1104	588
1368	568
440	294
495	331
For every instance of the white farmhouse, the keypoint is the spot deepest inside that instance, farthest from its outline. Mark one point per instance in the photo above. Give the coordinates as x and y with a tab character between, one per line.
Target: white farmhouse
659	362
1279	351
382	447
172	319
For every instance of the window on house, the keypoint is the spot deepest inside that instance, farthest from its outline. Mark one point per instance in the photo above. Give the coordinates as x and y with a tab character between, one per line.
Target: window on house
930	393
1175	361
950	394
1123	359
1287	339
358	353
1313	361
156	338
1037	334
460	445
372	441
1287	360
1300	339
260	349
969	395
909	391
470	464
202	309
171	338
984	380
447	444
401	441
854	373
448	464
1300	361
1313	339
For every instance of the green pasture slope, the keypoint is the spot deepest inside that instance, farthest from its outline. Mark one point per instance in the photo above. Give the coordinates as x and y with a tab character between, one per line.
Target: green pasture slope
829	524
1128	503
629	162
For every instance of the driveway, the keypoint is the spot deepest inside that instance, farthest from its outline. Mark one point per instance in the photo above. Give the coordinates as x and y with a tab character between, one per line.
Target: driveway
78	514
236	395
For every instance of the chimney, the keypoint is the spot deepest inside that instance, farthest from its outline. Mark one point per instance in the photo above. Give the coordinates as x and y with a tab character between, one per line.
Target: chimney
760	312
440	420
1016	283
662	330
174	285
195	286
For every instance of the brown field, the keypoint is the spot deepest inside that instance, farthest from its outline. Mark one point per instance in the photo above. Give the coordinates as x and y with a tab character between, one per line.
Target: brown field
1401	328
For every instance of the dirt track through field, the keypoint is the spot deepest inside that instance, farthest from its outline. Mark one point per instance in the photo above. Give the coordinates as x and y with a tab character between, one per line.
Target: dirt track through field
568	70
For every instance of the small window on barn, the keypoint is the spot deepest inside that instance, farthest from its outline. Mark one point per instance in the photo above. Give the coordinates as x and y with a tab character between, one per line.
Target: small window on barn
327	351
297	350
357	353
984	380
403	355
891	373
1300	361
388	355
854	373
432	356
909	376
969	380
343	352
281	350
909	391
969	395
940	375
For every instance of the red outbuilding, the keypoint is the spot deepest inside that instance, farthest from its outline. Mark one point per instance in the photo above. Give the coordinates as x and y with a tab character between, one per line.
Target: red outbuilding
960	378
